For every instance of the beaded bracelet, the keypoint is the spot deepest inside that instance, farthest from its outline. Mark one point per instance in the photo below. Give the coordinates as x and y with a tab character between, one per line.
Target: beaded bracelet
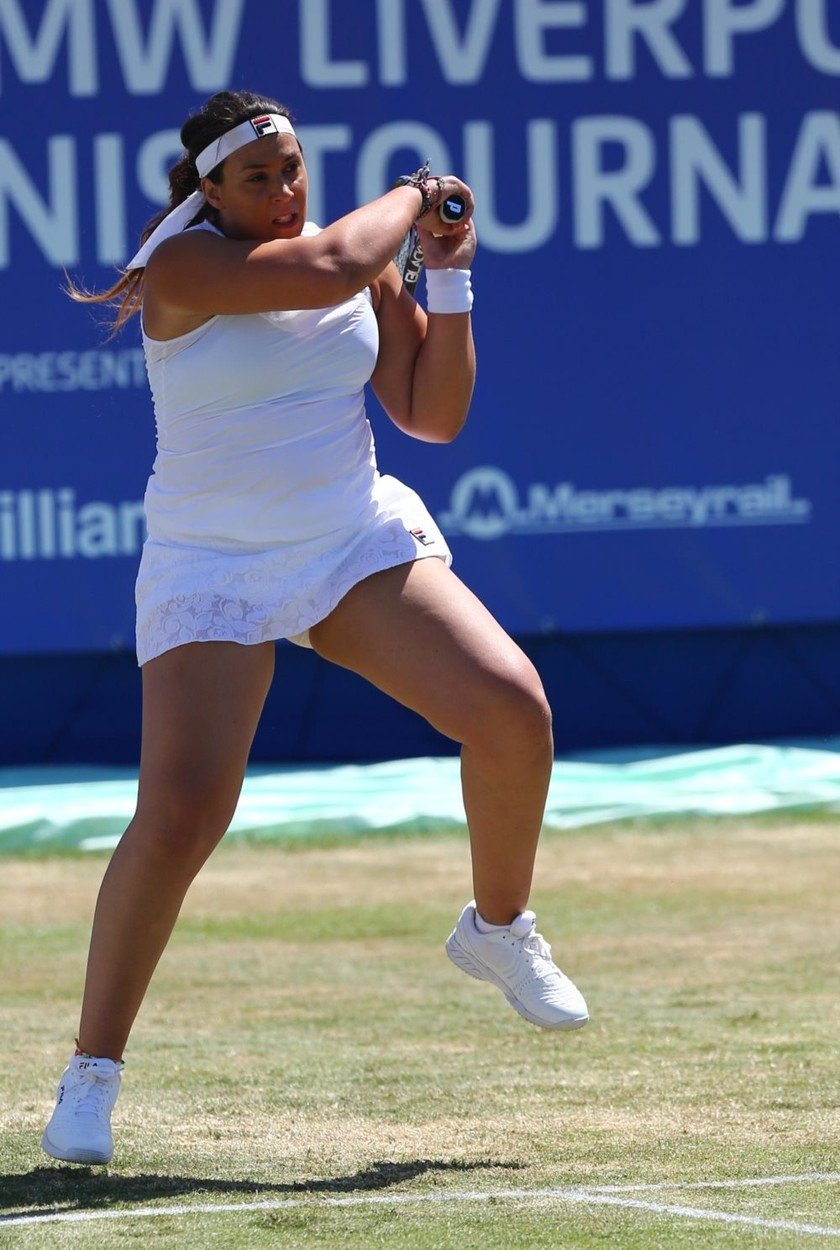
422	181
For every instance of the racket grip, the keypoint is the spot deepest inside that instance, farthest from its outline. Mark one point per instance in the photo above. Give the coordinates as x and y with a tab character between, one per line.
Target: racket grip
452	210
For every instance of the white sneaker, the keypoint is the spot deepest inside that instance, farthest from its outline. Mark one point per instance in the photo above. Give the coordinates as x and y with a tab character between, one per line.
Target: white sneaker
518	960
80	1128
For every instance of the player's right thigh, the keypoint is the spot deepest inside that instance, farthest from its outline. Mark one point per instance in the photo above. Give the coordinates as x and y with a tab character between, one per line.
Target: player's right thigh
201	706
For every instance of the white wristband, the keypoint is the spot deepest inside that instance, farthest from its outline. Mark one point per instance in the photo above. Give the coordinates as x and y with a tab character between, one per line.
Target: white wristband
448	291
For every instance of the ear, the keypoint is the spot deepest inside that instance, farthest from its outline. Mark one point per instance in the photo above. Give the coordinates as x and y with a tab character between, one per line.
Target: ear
212	192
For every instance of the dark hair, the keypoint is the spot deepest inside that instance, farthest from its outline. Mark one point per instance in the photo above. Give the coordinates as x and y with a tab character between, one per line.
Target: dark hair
217	115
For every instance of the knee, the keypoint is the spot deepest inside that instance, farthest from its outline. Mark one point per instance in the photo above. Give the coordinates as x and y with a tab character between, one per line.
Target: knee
181	826
514	715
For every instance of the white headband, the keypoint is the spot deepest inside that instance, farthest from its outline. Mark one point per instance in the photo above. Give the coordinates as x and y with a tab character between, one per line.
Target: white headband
206	161
233	140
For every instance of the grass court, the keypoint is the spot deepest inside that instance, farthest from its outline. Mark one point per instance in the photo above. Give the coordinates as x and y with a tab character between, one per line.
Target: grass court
309	1070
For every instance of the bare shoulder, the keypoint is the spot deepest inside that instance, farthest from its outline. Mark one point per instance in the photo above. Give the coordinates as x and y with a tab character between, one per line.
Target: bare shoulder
187	243
205	274
181	254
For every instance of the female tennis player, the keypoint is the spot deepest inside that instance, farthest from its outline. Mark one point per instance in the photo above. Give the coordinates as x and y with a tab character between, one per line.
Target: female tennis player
267	518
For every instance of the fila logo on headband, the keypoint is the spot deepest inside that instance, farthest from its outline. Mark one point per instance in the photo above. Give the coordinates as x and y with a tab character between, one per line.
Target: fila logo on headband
264	125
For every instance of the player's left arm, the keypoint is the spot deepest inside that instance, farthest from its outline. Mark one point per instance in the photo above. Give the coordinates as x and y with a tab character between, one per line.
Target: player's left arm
425	372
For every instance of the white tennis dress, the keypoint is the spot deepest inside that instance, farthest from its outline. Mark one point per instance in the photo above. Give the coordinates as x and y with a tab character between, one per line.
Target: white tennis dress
265	504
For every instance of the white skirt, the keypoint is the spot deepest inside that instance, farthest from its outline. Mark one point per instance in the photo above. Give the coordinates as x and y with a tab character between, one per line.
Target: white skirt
195	594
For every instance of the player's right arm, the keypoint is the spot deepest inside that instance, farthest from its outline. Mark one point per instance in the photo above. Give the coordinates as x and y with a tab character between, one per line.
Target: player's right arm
202	274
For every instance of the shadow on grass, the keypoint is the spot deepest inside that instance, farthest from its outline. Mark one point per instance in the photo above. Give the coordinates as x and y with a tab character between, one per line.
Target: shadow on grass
83	1188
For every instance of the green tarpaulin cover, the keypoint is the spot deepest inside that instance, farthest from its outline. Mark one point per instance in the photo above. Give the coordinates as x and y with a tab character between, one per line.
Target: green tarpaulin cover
87	809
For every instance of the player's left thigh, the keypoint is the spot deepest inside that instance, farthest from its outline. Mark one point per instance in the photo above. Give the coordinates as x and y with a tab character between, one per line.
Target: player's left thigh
420	635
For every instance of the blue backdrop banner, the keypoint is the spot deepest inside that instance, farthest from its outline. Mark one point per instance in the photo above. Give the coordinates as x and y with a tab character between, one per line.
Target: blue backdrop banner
653	441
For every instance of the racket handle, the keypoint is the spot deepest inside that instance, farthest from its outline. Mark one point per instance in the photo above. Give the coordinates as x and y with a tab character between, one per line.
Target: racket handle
452	210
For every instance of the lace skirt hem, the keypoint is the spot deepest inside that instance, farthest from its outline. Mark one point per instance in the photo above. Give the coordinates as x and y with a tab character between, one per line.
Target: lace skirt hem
189	594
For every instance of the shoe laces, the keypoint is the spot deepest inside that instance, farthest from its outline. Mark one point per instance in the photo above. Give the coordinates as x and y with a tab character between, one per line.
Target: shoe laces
90	1094
536	946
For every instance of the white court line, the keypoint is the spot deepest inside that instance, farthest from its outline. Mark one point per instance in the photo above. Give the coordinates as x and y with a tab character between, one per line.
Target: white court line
734	1184
722	1217
586	1197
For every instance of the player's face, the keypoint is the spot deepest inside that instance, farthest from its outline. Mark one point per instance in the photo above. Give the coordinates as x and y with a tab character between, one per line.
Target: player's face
263	191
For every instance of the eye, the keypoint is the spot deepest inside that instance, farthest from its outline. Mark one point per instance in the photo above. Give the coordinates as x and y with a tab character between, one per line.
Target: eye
256	177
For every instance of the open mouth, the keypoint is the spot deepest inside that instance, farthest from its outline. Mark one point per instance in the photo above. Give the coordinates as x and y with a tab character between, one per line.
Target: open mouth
285	219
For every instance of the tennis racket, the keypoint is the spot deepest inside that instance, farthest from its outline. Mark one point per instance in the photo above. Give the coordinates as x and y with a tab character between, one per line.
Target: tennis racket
409	257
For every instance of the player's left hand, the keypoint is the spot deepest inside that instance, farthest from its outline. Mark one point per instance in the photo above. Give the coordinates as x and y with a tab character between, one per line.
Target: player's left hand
453	250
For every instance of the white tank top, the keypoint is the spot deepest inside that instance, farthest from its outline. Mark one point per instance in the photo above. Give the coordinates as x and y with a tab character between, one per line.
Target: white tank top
262	436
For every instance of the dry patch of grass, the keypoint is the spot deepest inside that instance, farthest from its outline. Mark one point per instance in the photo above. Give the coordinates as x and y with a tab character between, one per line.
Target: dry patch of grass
306	1036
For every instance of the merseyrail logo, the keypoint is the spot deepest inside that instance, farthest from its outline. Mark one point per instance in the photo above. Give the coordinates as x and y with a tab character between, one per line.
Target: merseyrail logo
486	503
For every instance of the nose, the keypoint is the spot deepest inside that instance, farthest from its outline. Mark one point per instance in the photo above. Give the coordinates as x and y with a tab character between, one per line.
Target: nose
281	189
